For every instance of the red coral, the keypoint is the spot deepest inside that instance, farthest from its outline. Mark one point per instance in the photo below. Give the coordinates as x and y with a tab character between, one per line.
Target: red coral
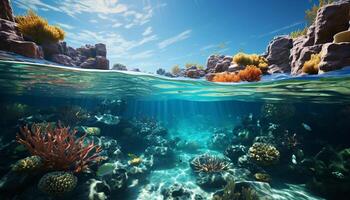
58	147
251	74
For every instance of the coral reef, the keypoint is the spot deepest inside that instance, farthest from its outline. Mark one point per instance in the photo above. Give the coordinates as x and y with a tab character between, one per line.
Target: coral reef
264	154
28	164
311	66
38	29
59	148
230	192
209	164
57	183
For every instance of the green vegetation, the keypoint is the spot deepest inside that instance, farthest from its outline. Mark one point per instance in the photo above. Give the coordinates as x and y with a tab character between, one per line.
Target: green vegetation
310	16
198	66
311	66
250	59
298	33
175	70
37	28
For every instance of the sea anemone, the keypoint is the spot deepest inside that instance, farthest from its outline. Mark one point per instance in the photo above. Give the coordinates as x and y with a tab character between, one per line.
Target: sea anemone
57	183
311	66
38	29
58	147
210	164
264	154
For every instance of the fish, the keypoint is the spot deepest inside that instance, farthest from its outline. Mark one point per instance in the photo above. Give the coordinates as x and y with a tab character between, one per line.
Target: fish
106	169
306	127
294	159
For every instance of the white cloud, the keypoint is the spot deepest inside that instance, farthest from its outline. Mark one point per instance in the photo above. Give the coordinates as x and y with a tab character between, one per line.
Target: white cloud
73	7
143	54
147	31
102	16
211	46
280	29
148	39
182	36
34	5
65	26
117	24
93	21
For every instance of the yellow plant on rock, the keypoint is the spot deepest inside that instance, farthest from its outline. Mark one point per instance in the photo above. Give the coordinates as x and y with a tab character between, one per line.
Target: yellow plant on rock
175	70
251	59
37	28
311	66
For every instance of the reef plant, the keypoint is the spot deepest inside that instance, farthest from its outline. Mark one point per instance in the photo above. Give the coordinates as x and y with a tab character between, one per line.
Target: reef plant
250	59
210	164
57	183
230	193
264	154
37	28
311	66
249	74
59	148
31	163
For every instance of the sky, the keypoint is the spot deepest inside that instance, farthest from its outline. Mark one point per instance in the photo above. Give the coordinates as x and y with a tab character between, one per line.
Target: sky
152	34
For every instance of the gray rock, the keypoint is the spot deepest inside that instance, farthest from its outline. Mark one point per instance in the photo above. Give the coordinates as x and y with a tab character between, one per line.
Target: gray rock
6	10
95	63
62	59
331	19
278	53
120	67
335	56
101	49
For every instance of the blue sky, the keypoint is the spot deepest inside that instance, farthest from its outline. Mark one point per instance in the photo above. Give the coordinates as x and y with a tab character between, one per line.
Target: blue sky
149	34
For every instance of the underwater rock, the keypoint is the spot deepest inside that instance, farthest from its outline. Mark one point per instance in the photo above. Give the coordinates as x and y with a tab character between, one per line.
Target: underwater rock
335	56
221	139
331	19
278	52
117	181
235	151
162	155
92	189
107	119
179	192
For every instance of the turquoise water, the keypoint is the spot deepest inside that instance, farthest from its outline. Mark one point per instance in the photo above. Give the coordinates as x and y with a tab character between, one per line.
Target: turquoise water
169	122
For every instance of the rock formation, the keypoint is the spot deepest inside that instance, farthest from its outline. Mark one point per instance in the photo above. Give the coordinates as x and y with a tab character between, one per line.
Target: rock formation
278	52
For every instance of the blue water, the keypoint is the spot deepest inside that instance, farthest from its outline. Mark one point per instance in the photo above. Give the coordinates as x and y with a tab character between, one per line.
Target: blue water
314	108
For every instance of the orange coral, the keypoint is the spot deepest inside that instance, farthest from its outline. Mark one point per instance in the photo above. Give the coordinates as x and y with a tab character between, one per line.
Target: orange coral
251	73
58	147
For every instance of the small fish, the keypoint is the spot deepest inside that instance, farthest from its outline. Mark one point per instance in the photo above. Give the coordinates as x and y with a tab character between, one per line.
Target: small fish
294	159
306	127
338	175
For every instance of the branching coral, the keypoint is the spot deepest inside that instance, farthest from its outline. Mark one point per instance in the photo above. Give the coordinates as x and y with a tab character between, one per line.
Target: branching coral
311	66
250	74
210	164
264	154
58	147
38	29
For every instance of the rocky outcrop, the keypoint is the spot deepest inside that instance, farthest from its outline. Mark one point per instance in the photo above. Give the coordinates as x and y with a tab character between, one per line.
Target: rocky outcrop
335	56
120	67
278	52
98	62
194	72
218	63
331	19
11	40
6	10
